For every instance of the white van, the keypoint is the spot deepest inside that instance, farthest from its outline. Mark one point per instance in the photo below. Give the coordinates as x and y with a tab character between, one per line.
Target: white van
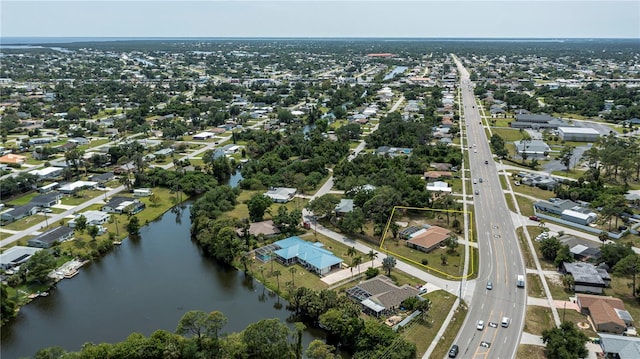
520	281
505	322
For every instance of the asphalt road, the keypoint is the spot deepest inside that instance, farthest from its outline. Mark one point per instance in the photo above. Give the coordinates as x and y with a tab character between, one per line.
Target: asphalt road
500	257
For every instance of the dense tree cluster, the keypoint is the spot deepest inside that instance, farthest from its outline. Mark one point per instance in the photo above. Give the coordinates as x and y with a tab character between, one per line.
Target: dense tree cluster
565	342
297	161
341	318
23	182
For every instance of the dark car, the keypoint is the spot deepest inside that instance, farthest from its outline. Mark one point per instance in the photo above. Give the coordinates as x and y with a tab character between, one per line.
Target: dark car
453	352
486	162
534	218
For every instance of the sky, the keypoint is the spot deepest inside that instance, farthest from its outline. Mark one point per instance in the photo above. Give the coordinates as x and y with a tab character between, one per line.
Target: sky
320	18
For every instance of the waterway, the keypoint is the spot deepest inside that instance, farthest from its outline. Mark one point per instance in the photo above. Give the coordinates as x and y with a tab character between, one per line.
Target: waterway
396	71
141	286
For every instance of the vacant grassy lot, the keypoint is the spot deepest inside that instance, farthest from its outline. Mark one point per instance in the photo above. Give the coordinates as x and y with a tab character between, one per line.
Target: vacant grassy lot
80	197
422	334
507	134
538	319
527	351
450	333
24	223
534	286
556	288
533	191
526	205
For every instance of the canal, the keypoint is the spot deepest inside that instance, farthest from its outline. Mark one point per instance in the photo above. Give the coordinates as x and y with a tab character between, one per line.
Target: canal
141	286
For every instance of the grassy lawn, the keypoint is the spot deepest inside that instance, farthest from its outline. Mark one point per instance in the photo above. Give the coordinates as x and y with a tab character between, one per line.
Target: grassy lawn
508	134
242	211
300	278
450	333
434	266
571	174
510	204
525	204
621	288
21	201
538	319
80	197
534	286
570	315
422	334
503	181
527	351
534	192
24	223
557	289
526	252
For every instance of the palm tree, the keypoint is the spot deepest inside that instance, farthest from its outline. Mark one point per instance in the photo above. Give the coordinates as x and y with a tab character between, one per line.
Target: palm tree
277	274
388	263
352	252
603	236
372	255
292	270
262	272
356	263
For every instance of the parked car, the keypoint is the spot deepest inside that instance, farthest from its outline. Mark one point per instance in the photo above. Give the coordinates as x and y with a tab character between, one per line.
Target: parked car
534	218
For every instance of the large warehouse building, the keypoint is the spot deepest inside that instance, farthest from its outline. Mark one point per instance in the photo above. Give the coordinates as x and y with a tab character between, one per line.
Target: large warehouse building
578	134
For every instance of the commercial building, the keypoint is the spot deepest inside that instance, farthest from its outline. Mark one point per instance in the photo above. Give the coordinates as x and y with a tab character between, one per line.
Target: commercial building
578	134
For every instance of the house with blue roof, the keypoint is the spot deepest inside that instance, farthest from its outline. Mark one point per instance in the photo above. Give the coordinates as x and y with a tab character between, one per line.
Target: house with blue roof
312	256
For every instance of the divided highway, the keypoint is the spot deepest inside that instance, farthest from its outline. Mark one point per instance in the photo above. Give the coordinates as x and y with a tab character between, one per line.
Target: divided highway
500	257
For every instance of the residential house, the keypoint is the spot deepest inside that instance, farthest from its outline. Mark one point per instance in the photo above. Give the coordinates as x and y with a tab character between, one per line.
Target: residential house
310	255
47	173
19	212
393	151
619	347
125	168
438	186
46	200
568	210
428	239
49	238
607	313
582	250
70	188
264	228
12	158
48	188
281	194
587	278
202	136
102	178
345	206
380	296
434	175
126	205
15	256
94	218
441	166
79	141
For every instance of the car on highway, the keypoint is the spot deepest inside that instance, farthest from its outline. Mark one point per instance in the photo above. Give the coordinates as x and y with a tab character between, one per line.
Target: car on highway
475	181
489	285
480	180
477	192
453	352
475	151
505	322
480	325
486	162
485	344
493	325
534	218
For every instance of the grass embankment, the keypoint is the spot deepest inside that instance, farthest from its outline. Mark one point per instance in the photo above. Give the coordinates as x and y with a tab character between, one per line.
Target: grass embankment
528	351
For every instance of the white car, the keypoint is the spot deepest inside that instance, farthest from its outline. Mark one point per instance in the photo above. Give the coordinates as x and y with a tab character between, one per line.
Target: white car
480	325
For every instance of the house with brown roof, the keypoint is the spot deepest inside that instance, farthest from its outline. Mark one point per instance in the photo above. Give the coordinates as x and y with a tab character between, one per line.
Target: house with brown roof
264	228
607	313
428	239
13	158
437	175
379	295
